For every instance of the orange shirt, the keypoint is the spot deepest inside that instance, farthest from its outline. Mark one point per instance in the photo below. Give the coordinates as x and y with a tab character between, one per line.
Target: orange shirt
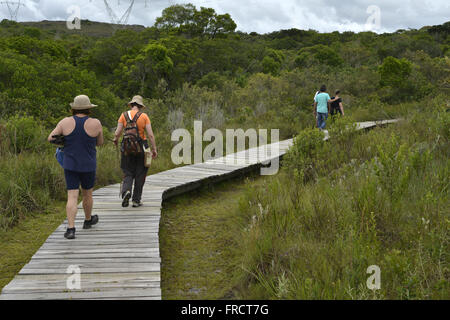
142	122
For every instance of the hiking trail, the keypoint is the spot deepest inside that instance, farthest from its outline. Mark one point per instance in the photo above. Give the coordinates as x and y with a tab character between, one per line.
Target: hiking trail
119	258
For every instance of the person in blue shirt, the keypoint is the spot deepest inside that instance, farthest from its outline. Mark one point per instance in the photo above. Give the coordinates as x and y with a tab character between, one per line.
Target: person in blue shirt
82	134
322	107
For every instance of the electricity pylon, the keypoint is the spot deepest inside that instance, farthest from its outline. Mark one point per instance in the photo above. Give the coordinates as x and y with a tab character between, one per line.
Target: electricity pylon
125	16
13	8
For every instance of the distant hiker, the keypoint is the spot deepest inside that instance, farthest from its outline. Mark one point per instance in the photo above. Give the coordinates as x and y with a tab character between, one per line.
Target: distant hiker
322	107
81	136
136	124
336	104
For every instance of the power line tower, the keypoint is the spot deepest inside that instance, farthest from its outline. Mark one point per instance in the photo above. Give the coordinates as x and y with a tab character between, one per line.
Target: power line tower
13	8
125	16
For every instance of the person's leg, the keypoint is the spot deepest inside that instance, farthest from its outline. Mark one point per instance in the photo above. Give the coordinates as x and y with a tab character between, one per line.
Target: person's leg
72	185
320	120
322	123
141	175
128	172
71	207
88	203
87	187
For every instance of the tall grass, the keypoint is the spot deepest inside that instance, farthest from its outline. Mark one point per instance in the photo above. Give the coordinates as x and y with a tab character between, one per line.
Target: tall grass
337	208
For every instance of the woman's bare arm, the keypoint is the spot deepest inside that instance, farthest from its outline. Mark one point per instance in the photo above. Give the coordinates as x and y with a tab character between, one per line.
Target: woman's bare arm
100	139
151	137
57	131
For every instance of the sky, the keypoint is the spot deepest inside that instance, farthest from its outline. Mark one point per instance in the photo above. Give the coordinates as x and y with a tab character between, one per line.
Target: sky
260	16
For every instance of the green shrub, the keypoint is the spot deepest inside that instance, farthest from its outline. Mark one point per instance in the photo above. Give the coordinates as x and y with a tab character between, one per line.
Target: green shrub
302	159
24	133
384	203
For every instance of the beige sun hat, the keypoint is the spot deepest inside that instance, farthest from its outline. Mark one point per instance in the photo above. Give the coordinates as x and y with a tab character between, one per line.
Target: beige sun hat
82	102
137	99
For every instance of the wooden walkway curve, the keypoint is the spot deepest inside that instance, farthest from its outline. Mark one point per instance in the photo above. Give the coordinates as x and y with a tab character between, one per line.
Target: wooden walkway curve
119	258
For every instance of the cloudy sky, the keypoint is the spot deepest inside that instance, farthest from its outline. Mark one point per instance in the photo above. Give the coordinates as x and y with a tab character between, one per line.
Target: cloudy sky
257	15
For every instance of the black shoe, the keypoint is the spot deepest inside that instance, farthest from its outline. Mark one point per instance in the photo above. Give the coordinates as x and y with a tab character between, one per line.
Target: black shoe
88	223
70	233
126	199
137	204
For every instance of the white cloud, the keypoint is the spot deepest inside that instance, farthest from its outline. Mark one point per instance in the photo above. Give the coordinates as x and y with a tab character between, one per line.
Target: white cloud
261	16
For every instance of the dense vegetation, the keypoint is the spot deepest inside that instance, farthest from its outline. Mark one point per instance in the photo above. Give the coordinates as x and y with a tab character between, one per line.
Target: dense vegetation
384	203
339	207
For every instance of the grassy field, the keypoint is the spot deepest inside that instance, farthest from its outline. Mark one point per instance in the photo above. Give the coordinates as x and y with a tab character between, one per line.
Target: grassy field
20	243
199	233
363	199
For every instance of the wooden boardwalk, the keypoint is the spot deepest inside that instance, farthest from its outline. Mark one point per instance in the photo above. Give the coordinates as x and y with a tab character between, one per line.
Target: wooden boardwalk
119	258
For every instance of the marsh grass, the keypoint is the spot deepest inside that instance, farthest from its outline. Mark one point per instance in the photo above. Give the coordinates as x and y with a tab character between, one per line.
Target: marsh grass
379	198
200	255
21	241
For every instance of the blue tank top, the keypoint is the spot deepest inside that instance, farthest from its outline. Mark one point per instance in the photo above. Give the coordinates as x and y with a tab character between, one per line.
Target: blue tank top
80	154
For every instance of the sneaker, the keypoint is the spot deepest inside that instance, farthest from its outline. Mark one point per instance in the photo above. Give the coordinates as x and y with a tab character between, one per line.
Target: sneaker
126	199
89	223
70	233
137	204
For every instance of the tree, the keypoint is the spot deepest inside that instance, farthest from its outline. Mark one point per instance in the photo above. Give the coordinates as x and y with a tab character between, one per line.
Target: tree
140	75
318	54
272	62
176	16
185	57
186	19
394	72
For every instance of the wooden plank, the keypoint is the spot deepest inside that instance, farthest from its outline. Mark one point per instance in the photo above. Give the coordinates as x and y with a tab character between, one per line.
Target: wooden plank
98	242
37	287
74	261
124	269
88	264
103	294
130	255
84	246
93	277
114	229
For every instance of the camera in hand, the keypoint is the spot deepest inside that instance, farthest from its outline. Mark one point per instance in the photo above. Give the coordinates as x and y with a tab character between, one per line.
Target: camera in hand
58	140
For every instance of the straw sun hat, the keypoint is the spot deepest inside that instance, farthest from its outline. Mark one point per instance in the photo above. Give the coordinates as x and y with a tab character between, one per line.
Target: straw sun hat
82	103
137	99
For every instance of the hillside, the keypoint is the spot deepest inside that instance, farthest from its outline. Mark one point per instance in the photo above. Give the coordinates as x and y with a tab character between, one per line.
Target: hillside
88	28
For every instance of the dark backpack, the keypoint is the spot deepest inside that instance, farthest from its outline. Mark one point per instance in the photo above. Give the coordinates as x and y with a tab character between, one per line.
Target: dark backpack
132	142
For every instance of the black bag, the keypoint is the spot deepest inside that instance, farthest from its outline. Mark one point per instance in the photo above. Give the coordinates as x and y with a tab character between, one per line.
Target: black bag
132	141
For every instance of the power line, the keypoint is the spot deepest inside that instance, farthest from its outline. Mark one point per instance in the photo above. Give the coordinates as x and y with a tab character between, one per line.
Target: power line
125	17
13	11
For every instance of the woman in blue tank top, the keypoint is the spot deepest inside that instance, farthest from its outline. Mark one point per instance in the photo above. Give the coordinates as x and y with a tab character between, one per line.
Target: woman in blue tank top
81	136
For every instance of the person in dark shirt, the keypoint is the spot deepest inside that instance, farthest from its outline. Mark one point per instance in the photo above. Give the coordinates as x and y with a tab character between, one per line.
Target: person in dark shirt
336	104
82	134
